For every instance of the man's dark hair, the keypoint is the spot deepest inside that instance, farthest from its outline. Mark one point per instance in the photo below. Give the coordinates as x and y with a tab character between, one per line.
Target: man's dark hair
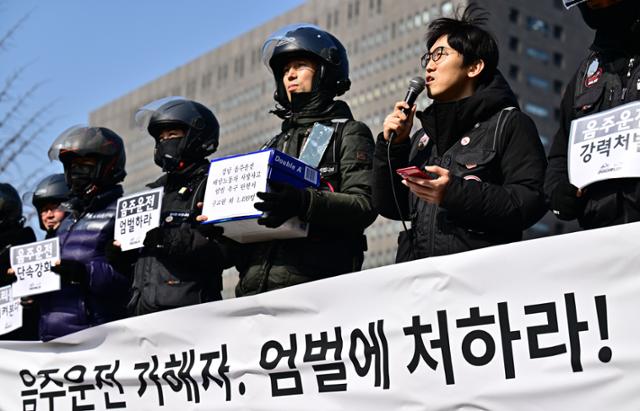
465	36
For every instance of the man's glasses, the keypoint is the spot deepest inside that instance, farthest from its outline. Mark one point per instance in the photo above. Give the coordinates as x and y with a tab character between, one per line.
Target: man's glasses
434	56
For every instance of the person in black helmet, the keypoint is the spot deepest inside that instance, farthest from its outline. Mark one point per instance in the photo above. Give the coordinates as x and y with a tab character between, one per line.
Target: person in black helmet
311	68
13	232
608	77
180	263
12	229
47	198
93	292
50	193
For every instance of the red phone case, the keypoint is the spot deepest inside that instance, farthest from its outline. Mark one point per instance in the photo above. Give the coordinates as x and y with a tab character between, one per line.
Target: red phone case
412	171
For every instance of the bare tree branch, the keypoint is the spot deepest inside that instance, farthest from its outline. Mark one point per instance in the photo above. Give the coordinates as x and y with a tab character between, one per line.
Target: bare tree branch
19	103
25	140
9	82
9	33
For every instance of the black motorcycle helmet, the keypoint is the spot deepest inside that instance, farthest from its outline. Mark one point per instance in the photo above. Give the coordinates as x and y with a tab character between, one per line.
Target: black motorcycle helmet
10	207
622	16
305	40
52	189
200	125
100	143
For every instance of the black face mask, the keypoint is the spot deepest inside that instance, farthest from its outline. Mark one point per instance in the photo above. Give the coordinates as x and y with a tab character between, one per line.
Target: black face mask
82	178
167	154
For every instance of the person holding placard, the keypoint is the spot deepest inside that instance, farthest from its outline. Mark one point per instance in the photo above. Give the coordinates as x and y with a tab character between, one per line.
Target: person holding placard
93	292
606	80
47	199
310	68
13	232
181	261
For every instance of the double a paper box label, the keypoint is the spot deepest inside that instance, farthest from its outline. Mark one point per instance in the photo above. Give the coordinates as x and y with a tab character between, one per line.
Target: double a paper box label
231	193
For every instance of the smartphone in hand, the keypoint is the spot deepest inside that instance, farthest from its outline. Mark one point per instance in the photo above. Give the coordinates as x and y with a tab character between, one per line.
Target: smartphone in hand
413	171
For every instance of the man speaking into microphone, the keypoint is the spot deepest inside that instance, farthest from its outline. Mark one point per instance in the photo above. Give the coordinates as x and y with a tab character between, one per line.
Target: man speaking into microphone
472	175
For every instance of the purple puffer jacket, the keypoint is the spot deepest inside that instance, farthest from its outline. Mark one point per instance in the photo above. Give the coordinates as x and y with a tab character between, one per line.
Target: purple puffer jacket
83	238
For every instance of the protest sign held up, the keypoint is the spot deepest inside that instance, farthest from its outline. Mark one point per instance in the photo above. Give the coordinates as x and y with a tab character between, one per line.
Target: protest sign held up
32	265
135	216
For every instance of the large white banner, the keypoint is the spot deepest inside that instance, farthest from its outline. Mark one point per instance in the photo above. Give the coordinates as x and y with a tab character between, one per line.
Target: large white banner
548	324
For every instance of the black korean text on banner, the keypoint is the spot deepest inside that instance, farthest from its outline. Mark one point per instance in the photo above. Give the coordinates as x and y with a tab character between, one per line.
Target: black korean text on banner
605	145
365	349
482	328
135	216
186	376
32	265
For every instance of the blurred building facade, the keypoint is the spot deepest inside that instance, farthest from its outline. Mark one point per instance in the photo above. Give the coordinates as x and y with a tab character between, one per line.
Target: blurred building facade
540	46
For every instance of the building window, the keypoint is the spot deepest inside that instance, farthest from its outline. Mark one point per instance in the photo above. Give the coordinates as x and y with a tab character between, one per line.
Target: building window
536	110
539	25
329	21
538	54
558	32
557	86
514	44
538	82
514	71
425	17
379	7
558	59
356	8
514	15
222	72
238	66
206	80
335	18
447	9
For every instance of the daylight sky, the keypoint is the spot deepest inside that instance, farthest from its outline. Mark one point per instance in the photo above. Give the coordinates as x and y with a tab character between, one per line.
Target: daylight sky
88	53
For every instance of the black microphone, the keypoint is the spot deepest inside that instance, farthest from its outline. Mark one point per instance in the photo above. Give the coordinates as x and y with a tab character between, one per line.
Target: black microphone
416	86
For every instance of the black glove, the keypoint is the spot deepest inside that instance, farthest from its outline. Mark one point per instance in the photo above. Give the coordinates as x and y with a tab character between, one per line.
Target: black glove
565	202
71	272
211	231
282	203
176	241
154	238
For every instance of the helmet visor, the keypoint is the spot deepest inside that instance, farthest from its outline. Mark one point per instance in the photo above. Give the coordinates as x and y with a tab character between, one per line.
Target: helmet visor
570	3
143	115
301	37
68	140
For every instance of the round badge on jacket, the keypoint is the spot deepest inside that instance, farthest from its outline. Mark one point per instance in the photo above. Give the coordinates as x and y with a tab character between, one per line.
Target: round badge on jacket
424	140
594	72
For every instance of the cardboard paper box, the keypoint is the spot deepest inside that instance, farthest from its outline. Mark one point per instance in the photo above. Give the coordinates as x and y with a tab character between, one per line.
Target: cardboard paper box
231	192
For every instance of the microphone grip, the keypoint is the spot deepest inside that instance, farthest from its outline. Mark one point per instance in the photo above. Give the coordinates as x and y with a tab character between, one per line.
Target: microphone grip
410	99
